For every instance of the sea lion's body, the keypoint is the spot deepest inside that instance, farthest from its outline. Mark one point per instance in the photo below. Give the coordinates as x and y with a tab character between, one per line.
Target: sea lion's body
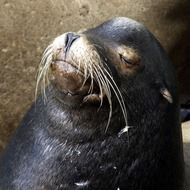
68	142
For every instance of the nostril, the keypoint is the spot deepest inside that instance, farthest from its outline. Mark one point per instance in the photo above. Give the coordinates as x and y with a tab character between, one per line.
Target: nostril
70	38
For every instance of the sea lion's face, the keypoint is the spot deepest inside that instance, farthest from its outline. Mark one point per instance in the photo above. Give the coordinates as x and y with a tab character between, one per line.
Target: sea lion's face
105	63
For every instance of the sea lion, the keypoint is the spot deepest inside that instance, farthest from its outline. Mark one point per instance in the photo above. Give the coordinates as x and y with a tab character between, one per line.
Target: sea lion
109	118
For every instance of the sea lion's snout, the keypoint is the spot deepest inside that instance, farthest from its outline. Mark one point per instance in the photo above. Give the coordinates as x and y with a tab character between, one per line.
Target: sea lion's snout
70	38
74	60
62	44
66	75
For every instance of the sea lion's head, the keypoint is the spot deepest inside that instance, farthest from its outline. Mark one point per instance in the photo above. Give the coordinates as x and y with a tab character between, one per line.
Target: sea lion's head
118	61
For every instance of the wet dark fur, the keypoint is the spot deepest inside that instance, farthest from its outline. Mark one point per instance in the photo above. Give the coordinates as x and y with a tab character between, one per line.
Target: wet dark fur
59	146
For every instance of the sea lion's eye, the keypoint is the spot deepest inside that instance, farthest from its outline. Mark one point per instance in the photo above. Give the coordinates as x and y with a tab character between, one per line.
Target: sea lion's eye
125	60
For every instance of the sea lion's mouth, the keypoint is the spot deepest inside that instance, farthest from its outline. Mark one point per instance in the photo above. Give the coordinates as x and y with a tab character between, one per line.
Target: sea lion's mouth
70	80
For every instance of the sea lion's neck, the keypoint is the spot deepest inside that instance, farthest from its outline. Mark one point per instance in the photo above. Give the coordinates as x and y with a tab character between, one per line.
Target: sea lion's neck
81	122
88	122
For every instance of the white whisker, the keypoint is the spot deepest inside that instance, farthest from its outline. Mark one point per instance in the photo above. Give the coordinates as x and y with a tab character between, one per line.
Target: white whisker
42	75
118	95
106	89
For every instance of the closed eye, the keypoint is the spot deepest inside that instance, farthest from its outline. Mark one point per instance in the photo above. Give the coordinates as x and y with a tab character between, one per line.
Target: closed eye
125	60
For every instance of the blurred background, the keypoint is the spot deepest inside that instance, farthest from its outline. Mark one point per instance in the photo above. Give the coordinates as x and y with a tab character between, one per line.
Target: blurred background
28	26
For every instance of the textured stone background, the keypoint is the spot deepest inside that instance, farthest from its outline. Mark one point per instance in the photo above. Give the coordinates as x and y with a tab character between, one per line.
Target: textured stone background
186	145
27	26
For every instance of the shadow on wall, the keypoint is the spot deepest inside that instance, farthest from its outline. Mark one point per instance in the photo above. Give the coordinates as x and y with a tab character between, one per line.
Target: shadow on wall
180	52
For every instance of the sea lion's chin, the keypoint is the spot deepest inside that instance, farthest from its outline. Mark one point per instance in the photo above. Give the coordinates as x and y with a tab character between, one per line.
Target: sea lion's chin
70	82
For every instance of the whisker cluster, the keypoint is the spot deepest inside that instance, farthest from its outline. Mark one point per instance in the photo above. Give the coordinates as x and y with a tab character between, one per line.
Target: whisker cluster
91	66
98	71
43	70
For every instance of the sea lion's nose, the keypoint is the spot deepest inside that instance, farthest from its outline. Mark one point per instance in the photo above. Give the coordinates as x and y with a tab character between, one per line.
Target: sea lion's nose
70	38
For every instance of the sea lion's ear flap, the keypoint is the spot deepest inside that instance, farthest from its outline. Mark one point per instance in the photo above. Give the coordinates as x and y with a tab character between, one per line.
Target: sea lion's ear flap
166	94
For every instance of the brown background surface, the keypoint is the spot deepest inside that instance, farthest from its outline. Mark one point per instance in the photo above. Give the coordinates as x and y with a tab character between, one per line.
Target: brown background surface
27	27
